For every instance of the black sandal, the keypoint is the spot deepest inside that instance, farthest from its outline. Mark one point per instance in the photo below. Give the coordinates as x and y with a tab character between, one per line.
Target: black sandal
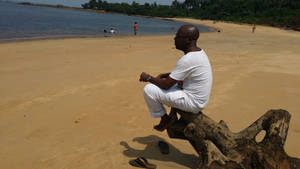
142	163
163	147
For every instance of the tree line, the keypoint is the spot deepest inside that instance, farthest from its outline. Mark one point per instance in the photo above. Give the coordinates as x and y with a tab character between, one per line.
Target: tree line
280	13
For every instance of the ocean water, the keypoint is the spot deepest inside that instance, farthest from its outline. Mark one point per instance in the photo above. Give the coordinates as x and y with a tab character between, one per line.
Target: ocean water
77	3
21	22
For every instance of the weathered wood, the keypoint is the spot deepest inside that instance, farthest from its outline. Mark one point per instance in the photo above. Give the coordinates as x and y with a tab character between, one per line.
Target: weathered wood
220	148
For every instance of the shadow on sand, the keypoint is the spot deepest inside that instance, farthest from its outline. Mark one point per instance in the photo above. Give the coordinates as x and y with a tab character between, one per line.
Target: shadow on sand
152	152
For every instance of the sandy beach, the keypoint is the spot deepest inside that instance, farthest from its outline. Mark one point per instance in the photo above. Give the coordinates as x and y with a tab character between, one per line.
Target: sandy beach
77	103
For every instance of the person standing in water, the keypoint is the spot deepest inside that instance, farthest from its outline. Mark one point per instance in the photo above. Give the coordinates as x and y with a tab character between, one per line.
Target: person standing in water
135	26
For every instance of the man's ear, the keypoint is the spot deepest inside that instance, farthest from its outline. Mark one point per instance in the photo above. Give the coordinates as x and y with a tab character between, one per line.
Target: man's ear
189	40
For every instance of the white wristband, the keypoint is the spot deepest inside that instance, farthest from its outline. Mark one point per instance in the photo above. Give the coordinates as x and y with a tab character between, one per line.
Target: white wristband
148	78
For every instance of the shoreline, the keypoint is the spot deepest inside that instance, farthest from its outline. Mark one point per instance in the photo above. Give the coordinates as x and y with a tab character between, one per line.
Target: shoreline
59	7
104	12
212	27
22	39
100	35
81	37
84	37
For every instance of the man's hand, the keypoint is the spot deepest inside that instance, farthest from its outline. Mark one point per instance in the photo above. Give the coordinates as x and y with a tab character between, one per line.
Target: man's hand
163	75
163	81
143	77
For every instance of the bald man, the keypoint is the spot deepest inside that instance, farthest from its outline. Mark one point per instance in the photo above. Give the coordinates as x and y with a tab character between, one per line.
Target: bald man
187	87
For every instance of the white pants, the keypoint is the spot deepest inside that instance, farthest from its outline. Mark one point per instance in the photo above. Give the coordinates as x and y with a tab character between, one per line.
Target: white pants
156	97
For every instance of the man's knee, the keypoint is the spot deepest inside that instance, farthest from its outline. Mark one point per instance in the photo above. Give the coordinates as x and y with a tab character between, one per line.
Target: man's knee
149	88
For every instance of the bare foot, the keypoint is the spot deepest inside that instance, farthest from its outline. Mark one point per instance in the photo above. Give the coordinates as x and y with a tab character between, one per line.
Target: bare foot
165	122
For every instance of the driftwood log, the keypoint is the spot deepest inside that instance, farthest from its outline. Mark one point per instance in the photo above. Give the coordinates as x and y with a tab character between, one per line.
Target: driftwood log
219	148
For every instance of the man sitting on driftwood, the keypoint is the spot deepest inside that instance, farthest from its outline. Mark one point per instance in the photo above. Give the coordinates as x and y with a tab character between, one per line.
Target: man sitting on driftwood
187	87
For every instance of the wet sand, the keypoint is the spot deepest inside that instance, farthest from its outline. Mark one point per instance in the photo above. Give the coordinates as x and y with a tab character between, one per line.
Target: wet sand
77	103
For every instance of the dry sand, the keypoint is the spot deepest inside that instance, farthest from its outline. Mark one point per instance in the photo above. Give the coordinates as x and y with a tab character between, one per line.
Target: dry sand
78	104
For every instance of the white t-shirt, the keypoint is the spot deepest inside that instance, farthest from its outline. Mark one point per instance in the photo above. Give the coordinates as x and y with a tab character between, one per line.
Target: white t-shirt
112	31
195	71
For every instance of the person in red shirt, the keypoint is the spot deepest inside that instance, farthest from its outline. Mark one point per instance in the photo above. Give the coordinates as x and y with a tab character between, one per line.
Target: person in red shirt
135	27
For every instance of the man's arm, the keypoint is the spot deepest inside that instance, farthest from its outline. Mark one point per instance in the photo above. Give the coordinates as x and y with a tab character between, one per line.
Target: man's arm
163	75
163	80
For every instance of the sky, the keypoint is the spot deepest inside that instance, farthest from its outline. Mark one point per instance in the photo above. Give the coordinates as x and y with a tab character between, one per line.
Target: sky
77	3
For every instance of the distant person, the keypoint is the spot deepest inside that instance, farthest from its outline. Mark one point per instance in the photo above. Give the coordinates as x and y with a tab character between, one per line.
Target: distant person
253	28
112	31
105	32
135	26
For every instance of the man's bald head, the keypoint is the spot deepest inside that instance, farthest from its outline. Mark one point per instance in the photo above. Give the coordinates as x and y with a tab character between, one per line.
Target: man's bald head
189	31
186	38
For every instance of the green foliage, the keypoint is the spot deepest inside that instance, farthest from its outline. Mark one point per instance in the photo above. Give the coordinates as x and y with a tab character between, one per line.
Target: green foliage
270	12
